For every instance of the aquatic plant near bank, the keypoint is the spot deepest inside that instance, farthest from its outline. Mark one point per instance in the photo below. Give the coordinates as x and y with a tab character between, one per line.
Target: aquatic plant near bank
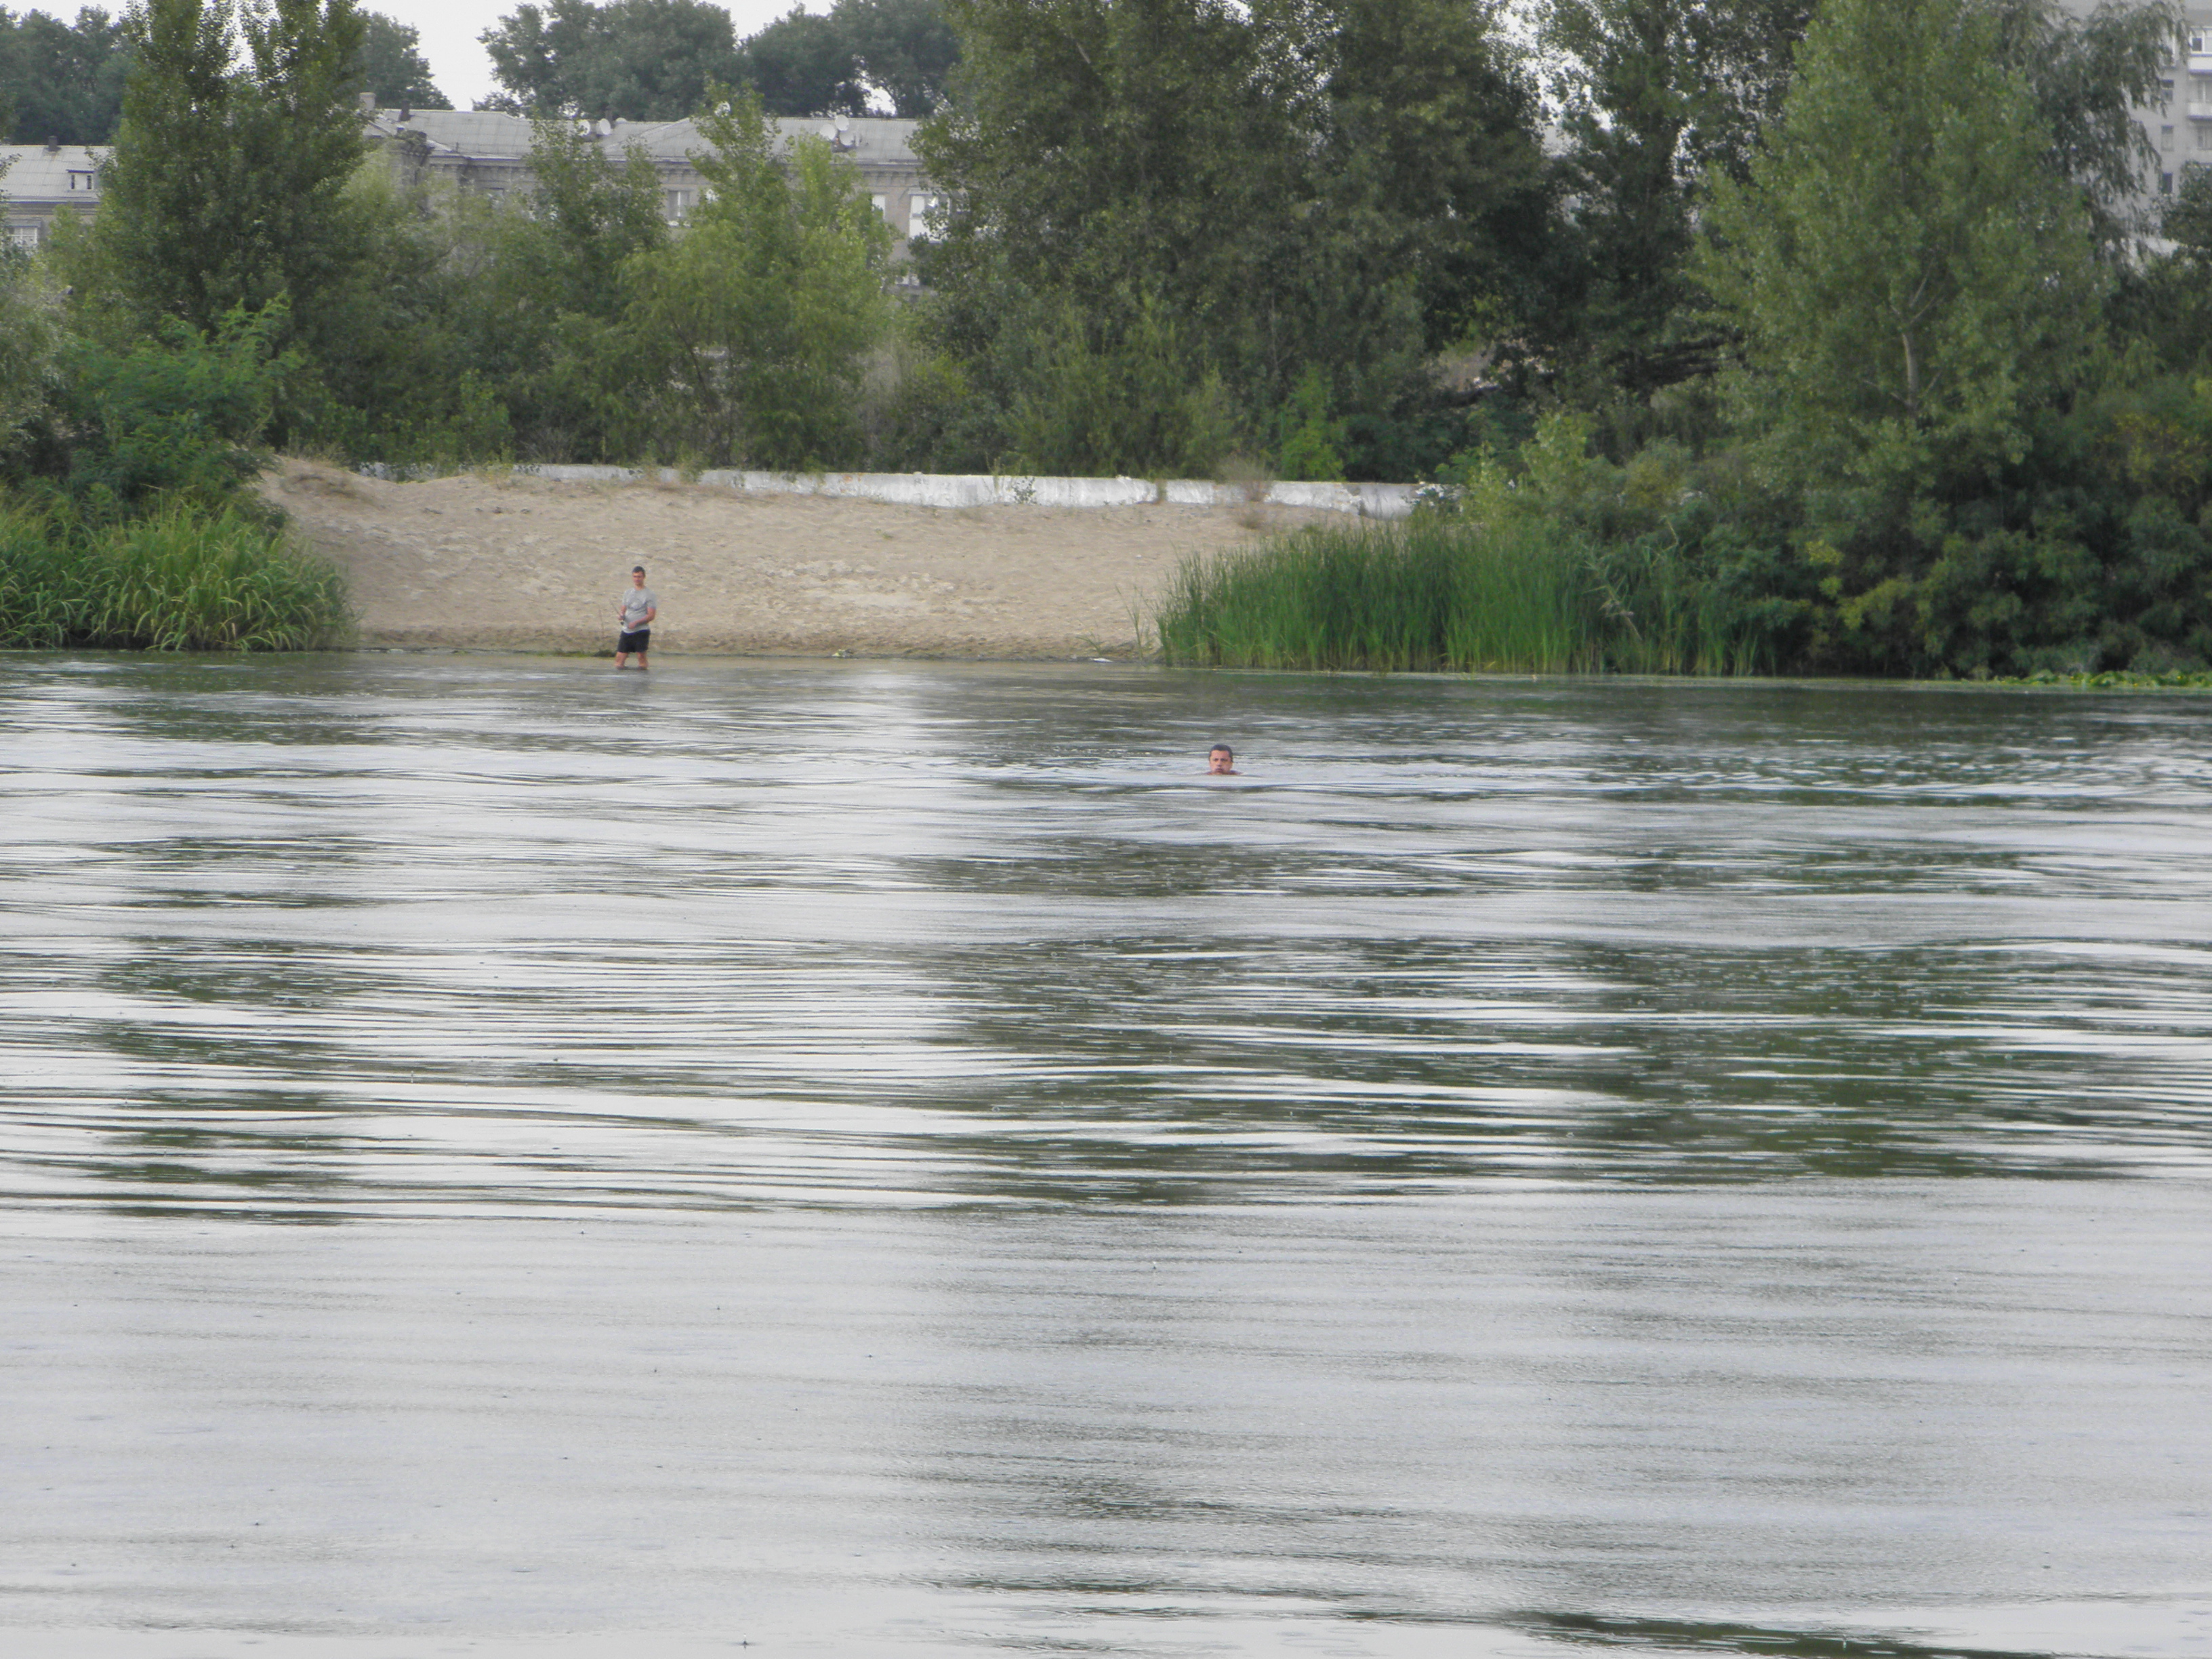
177	579
1444	593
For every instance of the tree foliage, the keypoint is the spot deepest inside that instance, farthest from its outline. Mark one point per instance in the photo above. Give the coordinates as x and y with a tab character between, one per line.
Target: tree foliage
1655	96
757	322
61	83
541	296
806	63
2087	77
391	68
227	183
653	60
1913	280
1346	186
638	60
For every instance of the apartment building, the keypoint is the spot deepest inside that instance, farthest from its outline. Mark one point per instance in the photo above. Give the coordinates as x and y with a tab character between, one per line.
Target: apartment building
489	153
43	179
2182	131
480	150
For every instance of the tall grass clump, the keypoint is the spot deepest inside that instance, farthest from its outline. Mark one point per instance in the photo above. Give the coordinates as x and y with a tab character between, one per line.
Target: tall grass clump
180	578
127	514
1393	600
1564	564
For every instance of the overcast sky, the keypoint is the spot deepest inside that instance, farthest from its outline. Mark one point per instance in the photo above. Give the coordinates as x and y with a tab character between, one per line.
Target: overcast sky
449	30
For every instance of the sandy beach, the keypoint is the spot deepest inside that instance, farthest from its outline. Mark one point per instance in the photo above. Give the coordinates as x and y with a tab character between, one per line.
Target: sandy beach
518	562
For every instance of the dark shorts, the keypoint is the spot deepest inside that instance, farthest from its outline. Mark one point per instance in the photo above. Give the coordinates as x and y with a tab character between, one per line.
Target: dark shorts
637	642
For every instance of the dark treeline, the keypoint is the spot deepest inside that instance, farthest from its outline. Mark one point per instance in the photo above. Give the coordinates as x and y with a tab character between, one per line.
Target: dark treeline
63	82
1856	336
654	60
638	60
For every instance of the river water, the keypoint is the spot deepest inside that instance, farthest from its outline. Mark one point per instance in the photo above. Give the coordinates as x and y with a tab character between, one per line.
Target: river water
501	1157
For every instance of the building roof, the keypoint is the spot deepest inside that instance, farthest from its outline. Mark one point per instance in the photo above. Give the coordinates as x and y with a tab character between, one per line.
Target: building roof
37	174
882	140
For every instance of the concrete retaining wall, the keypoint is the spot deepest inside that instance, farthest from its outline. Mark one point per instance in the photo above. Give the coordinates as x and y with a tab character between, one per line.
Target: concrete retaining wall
1368	500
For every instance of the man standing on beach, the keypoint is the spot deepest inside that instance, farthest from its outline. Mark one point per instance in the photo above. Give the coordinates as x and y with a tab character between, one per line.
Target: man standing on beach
635	612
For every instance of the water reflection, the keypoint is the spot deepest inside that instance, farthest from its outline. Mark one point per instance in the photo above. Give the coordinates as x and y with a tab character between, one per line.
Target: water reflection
1700	1163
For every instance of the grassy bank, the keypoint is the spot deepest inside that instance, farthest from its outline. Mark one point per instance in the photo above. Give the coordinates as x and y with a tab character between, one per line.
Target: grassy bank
181	579
1442	593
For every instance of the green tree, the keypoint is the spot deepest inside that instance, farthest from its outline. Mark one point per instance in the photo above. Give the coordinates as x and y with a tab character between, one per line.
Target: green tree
806	63
802	65
237	185
904	48
1658	97
30	336
1912	280
2088	75
2165	301
1653	94
652	60
227	186
634	60
392	66
61	83
541	294
1349	186
756	324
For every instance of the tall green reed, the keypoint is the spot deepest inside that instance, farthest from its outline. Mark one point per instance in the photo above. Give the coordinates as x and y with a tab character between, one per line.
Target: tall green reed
180	578
1523	596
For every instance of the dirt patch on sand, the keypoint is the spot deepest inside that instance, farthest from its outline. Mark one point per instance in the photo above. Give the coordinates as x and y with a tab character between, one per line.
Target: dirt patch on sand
520	562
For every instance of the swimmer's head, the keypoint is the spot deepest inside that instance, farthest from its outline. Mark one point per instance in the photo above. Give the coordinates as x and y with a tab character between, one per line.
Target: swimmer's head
1221	760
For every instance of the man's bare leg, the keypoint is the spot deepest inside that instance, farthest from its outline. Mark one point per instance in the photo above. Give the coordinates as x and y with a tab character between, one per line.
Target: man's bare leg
641	659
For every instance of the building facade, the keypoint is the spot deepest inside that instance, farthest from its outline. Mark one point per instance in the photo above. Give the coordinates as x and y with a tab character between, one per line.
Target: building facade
489	154
42	180
2182	131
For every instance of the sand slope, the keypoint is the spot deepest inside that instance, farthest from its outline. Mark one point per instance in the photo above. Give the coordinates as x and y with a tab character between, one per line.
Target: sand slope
521	563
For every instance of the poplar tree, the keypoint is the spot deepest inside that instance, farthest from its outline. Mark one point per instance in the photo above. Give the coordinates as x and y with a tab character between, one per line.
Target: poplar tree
752	327
1278	186
1913	279
227	185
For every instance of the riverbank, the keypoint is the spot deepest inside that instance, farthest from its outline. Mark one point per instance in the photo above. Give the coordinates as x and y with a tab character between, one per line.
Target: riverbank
521	563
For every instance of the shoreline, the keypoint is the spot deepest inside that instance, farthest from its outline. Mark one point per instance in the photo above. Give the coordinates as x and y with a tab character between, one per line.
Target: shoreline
515	562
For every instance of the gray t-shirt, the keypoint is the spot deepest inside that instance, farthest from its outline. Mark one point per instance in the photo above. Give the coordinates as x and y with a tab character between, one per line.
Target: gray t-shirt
635	602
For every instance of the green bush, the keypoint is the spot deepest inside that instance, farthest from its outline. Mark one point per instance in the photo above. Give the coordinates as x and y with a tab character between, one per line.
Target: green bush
177	579
176	419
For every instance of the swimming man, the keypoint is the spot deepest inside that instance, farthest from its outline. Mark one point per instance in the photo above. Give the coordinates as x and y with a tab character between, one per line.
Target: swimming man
1221	761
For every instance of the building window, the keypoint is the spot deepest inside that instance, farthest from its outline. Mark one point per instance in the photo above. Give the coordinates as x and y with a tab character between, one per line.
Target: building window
919	208
678	203
2166	184
882	205
24	235
83	179
2166	137
2204	138
2196	43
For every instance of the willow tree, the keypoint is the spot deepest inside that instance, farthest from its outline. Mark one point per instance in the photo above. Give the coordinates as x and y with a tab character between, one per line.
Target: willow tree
1914	280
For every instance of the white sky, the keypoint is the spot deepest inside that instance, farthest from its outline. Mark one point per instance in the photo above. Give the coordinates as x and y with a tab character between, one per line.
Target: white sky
449	29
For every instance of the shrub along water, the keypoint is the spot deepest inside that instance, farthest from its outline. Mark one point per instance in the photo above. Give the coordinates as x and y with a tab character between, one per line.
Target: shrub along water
181	578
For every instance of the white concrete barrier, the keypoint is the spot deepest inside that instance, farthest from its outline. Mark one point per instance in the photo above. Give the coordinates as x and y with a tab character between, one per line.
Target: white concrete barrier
1367	501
